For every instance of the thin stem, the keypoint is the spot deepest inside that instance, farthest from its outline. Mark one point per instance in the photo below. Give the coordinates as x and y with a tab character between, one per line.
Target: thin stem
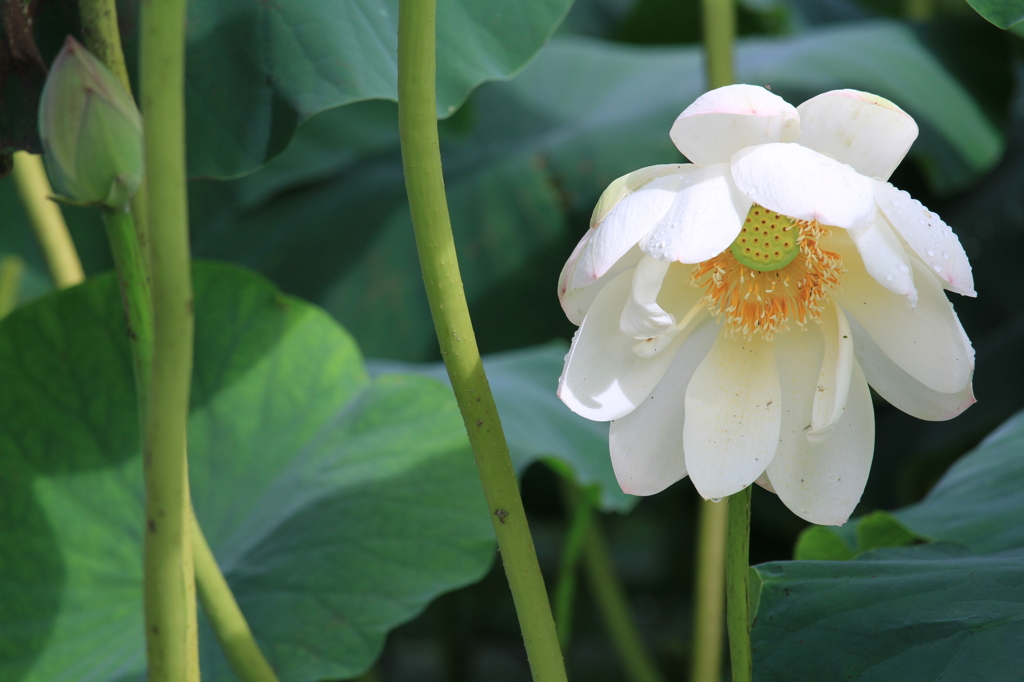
47	220
611	601
709	589
170	613
228	623
11	270
421	157
135	295
579	514
719	37
737	588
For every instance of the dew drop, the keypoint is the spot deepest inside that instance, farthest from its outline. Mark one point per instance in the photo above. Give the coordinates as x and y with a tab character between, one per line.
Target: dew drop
945	255
890	277
904	269
716	499
930	252
937	268
895	202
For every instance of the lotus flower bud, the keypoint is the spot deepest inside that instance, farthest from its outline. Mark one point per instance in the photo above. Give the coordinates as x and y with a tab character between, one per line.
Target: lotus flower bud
91	131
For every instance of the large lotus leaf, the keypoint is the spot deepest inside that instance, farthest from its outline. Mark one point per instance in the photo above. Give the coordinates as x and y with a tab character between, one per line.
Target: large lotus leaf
524	160
337	506
1002	13
537	424
914	614
256	70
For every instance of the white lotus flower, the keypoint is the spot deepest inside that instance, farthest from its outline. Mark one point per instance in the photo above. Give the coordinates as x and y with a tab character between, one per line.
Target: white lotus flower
734	310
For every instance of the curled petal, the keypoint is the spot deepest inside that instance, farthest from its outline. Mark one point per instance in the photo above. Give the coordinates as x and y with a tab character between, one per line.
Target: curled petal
833	387
733	415
647	444
622	187
884	257
820	481
863	130
801	183
724	121
603	378
929	237
902	390
577	289
642	317
927	341
704	219
629	220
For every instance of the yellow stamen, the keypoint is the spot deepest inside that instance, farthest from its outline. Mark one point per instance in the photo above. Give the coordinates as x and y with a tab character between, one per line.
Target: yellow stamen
764	302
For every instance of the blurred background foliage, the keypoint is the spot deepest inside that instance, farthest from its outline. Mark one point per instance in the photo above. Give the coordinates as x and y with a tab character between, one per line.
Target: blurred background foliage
309	193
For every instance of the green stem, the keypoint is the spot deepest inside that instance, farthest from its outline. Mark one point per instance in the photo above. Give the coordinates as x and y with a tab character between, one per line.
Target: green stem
47	221
709	588
611	601
572	548
170	605
135	295
719	37
421	157
228	623
11	270
737	588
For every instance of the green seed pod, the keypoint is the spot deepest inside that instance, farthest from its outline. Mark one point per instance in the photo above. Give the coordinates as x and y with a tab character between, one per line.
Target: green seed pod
91	131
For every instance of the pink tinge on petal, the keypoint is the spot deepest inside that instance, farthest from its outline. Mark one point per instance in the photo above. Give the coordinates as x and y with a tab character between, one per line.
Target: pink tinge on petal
725	120
863	130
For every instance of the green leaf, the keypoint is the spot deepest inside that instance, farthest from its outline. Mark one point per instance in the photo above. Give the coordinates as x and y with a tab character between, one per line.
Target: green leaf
537	424
257	70
881	529
337	506
914	614
1002	13
822	543
525	161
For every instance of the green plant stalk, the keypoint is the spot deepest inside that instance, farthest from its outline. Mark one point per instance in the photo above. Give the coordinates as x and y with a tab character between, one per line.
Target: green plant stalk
135	296
578	510
719	38
709	592
228	623
421	157
11	270
47	220
103	38
737	588
614	607
169	578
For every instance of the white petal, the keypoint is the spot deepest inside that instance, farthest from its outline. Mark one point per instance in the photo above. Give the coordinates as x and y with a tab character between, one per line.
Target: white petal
704	219
884	257
603	378
577	289
900	389
647	444
833	387
733	416
929	237
820	481
801	183
622	187
927	341
630	219
863	130
724	121
642	317
682	301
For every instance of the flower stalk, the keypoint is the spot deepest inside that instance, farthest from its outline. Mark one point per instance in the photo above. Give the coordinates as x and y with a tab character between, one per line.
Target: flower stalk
738	586
11	270
170	605
421	157
47	221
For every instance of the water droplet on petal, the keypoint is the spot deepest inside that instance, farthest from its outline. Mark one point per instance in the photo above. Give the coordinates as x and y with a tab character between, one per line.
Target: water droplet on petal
894	201
890	277
716	499
930	252
904	269
945	255
937	268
